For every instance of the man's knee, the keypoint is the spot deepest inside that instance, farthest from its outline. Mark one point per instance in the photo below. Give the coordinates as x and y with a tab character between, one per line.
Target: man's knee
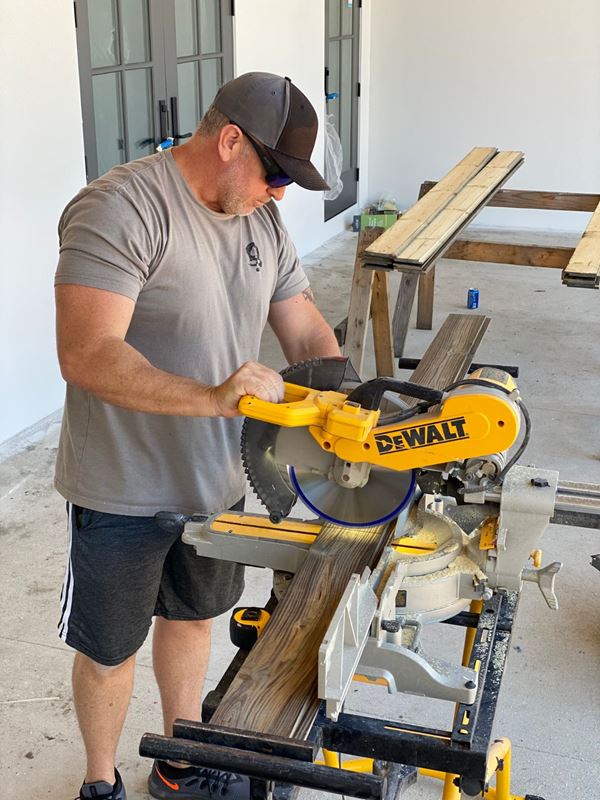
84	663
200	625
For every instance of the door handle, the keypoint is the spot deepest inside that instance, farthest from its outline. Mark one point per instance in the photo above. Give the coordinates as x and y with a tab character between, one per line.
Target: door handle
175	121
163	115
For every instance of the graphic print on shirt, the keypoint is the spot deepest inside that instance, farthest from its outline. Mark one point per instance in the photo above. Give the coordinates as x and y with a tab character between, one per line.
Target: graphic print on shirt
254	256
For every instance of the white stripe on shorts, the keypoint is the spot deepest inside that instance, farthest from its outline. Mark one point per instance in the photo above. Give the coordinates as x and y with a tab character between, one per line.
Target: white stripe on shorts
66	597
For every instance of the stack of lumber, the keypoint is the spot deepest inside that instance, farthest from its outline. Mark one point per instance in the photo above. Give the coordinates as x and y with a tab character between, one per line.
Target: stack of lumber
583	268
423	233
275	690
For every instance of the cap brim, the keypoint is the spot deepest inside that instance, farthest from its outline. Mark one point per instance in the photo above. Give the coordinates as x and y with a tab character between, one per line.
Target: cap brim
302	172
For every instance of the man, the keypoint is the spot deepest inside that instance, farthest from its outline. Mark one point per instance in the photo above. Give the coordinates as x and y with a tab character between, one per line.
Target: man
170	267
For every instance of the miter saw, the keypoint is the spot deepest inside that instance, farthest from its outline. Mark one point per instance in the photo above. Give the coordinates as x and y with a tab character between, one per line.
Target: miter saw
329	444
462	520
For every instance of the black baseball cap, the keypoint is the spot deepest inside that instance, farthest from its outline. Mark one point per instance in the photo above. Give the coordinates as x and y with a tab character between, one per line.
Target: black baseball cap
276	114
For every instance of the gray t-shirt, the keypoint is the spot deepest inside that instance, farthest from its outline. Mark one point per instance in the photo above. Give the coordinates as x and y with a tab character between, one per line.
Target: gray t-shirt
202	283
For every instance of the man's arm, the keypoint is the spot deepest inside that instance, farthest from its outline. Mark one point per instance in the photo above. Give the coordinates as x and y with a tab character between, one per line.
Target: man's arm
301	329
90	329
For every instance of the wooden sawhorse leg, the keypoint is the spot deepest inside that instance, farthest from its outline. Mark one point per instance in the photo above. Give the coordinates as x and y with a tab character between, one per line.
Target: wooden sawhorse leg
404	304
369	297
425	300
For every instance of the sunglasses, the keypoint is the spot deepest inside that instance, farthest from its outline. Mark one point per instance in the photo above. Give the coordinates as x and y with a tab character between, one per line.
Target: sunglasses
275	177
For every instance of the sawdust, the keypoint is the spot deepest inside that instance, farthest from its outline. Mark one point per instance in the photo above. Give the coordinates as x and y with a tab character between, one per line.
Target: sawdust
461	564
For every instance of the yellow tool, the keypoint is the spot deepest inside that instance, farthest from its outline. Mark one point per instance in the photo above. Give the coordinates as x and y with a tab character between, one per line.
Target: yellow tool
470	422
246	625
321	442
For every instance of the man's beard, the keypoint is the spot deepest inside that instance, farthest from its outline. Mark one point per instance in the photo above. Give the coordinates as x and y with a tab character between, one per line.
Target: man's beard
235	201
234	194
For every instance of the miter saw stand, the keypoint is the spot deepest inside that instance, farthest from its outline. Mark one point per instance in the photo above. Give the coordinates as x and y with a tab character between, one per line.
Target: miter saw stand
460	563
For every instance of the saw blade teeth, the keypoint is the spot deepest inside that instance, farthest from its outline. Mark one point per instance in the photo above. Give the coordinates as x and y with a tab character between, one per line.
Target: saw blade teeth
294	369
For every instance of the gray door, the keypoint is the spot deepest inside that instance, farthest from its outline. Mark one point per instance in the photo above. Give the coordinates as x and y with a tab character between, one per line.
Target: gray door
148	69
199	58
342	89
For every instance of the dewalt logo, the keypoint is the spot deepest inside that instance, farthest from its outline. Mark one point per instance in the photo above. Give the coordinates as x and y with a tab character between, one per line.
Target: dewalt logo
446	430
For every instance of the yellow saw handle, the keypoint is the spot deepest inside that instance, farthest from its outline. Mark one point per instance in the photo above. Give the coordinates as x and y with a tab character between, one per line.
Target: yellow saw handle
298	408
303	406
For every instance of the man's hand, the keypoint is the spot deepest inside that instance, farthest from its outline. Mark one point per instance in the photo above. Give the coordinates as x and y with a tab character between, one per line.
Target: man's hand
250	378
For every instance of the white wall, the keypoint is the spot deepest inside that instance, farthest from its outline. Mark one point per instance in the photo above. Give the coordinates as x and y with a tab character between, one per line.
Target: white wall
288	37
516	75
39	98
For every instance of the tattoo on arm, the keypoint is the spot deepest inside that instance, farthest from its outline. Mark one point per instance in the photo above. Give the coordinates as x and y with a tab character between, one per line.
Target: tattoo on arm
308	295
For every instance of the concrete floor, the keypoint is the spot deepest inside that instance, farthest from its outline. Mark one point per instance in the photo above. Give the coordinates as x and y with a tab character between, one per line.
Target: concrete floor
550	700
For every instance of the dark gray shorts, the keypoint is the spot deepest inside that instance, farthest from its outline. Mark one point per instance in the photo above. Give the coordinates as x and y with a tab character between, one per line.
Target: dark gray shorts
122	571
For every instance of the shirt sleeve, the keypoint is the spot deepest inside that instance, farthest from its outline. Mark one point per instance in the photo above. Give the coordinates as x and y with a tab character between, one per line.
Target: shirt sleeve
104	243
291	278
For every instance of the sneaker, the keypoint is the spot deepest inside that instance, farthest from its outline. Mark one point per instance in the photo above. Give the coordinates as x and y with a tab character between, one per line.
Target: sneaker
102	790
189	783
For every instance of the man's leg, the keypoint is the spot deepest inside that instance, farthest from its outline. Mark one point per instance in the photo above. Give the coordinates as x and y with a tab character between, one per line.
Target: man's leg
113	575
180	651
101	695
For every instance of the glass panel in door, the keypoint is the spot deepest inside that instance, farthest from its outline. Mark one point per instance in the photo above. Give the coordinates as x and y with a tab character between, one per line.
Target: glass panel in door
138	108
186	28
189	95
135	44
103	33
108	118
210	27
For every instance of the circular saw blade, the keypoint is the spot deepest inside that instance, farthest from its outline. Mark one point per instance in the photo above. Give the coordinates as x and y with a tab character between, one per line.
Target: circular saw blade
382	498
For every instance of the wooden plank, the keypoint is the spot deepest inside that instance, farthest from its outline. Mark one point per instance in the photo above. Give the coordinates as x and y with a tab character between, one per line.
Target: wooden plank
423	249
451	352
402	311
583	268
459	210
413	221
525	255
275	691
360	302
548	201
382	326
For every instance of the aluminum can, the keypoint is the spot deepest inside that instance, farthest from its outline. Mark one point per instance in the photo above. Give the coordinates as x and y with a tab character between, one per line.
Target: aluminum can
473	298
